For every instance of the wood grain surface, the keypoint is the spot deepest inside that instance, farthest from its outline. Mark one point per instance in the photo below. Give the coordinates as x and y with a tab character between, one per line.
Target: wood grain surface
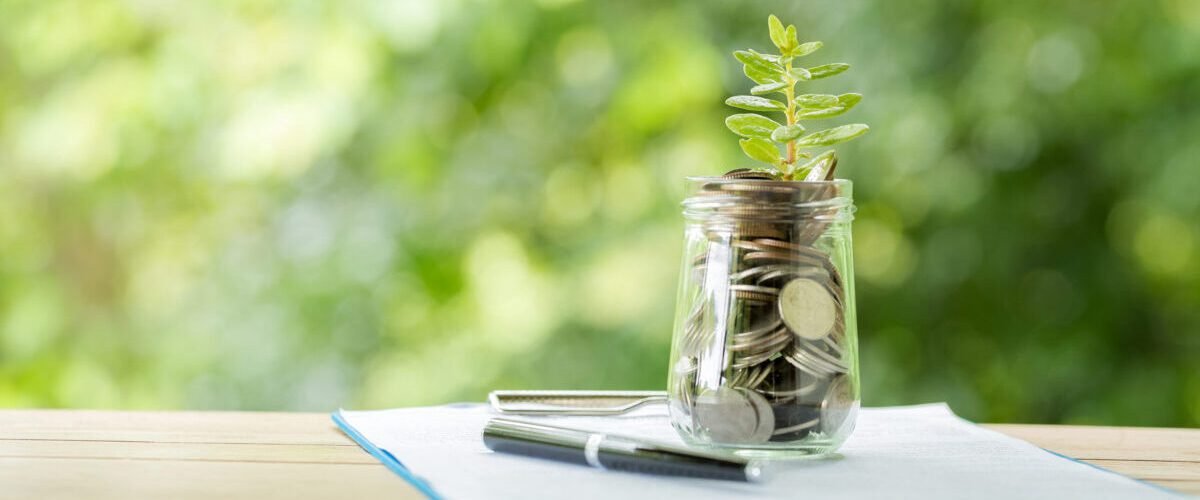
115	454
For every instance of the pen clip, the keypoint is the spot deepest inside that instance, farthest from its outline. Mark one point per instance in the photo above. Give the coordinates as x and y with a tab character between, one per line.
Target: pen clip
568	402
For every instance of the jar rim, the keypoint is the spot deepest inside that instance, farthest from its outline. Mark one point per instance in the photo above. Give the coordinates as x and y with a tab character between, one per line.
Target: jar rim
768	199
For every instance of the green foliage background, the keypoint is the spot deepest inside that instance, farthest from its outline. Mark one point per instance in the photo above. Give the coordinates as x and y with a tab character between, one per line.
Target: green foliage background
377	203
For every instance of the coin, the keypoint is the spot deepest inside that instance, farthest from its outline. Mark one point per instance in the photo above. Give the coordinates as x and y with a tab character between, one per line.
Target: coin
771	242
758	230
792	247
838	406
797	358
807	308
684	387
750	245
794	421
818	351
812	273
782	256
764	371
802	357
754	296
757	187
745	173
765	424
755	288
754	354
750	378
760	270
757	334
727	414
801	390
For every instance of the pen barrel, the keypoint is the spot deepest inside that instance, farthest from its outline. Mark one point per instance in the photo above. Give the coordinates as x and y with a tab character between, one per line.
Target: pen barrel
672	464
612	452
558	451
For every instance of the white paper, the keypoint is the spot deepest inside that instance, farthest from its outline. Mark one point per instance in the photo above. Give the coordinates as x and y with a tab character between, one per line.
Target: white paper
902	452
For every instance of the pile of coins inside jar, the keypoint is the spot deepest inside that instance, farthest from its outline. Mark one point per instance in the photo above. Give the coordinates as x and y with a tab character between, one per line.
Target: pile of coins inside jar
769	307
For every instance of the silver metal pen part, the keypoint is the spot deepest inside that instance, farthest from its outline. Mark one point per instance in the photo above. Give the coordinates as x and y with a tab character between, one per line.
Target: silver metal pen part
577	403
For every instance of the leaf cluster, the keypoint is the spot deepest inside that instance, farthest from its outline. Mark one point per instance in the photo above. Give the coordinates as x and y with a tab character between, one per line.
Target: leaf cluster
776	77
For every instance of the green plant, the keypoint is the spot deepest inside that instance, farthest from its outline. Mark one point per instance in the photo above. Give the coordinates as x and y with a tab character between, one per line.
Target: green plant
762	136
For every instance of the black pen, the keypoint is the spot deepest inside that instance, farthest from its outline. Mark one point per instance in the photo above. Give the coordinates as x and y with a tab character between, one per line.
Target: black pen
606	451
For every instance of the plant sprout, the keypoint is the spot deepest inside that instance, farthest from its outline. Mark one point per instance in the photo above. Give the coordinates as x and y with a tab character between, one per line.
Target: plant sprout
762	136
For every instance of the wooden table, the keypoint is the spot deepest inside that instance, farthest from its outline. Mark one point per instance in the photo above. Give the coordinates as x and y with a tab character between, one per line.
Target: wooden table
111	454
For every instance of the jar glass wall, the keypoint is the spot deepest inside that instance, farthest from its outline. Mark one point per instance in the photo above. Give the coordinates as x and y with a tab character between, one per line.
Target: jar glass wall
764	358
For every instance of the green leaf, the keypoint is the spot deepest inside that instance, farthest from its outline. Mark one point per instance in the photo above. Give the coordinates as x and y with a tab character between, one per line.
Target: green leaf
806	48
787	133
751	125
849	100
754	103
767	88
801	74
759	67
792	41
760	149
844	103
835	135
827	70
761	62
777	33
817	101
817	169
759	76
818	113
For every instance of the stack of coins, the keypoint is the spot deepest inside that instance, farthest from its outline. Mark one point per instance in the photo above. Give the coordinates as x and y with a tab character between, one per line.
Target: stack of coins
776	318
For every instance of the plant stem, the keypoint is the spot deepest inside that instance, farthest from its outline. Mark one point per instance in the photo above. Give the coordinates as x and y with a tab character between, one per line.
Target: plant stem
790	92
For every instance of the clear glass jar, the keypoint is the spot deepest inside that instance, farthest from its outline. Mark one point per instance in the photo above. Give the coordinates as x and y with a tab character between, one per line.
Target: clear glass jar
764	359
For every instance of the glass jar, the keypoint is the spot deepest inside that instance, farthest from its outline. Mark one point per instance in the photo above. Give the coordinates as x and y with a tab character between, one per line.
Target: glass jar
764	359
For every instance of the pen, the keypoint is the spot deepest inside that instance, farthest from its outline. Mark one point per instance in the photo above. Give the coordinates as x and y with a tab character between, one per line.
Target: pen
606	451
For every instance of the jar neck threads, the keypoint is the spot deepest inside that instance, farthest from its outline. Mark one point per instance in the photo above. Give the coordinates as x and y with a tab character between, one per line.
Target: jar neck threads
719	200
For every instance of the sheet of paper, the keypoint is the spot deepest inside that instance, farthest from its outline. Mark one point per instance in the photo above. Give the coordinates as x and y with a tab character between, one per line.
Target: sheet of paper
903	452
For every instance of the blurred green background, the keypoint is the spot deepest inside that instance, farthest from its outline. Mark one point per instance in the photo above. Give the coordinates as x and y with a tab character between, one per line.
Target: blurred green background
379	203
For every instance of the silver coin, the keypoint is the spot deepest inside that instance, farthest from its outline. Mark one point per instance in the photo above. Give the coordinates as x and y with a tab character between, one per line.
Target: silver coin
754	288
805	361
760	270
798	427
748	378
766	417
803	364
773	255
826	356
838	406
812	273
763	372
825	367
770	327
792	247
745	173
779	337
756	230
798	251
747	296
807	308
751	246
834	345
753	187
686	364
802	390
727	414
